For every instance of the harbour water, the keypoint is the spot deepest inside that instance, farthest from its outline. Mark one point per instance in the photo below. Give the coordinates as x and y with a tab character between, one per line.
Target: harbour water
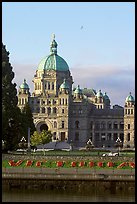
52	195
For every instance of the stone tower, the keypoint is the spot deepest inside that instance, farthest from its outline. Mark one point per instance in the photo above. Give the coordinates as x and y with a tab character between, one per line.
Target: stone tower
129	122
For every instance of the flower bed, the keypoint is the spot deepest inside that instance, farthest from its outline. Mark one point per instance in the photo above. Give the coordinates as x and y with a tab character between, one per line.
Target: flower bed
70	164
59	163
12	163
91	164
81	164
38	163
29	163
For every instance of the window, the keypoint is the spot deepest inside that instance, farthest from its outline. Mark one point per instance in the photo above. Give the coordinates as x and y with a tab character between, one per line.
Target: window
49	110
62	125
128	111
54	135
54	110
103	137
52	85
128	137
115	125
43	110
115	136
109	125
131	111
128	126
109	136
63	110
48	85
55	124
77	124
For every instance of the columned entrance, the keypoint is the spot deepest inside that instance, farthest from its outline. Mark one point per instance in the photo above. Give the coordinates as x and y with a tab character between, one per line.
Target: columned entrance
43	127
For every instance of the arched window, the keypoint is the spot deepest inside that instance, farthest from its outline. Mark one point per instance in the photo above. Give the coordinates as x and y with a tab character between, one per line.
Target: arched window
55	124
77	124
109	125
48	110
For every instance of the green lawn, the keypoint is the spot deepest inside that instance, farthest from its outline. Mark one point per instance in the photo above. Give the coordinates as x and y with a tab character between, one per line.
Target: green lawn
66	164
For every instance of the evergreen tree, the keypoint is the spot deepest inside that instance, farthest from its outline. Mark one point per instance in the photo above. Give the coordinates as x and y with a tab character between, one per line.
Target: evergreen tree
10	111
27	120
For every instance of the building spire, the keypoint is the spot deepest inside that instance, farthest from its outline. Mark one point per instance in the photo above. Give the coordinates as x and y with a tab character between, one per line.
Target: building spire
53	45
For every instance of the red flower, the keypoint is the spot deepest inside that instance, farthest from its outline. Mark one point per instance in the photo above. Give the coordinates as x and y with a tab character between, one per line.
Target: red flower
73	164
122	164
12	163
38	163
110	164
91	164
82	163
59	163
29	163
132	164
100	164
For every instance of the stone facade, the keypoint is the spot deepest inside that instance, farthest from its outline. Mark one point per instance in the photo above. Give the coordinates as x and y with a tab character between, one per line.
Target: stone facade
73	114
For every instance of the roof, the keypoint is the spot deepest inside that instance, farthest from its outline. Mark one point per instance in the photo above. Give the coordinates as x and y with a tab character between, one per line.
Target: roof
99	94
89	92
24	85
53	61
64	85
78	90
130	98
55	145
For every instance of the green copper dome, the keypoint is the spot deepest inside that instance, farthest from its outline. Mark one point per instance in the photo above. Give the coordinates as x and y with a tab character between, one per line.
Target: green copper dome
106	96
99	94
53	61
64	85
130	98
78	90
24	85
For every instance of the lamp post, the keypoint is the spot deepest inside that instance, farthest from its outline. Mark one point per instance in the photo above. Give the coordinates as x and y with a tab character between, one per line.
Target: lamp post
118	144
23	144
3	144
71	145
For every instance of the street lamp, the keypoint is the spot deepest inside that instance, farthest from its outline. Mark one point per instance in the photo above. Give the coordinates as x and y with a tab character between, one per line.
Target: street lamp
23	144
118	144
71	145
3	144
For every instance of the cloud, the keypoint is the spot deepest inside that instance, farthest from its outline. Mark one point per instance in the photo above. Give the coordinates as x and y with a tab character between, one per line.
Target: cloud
117	81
